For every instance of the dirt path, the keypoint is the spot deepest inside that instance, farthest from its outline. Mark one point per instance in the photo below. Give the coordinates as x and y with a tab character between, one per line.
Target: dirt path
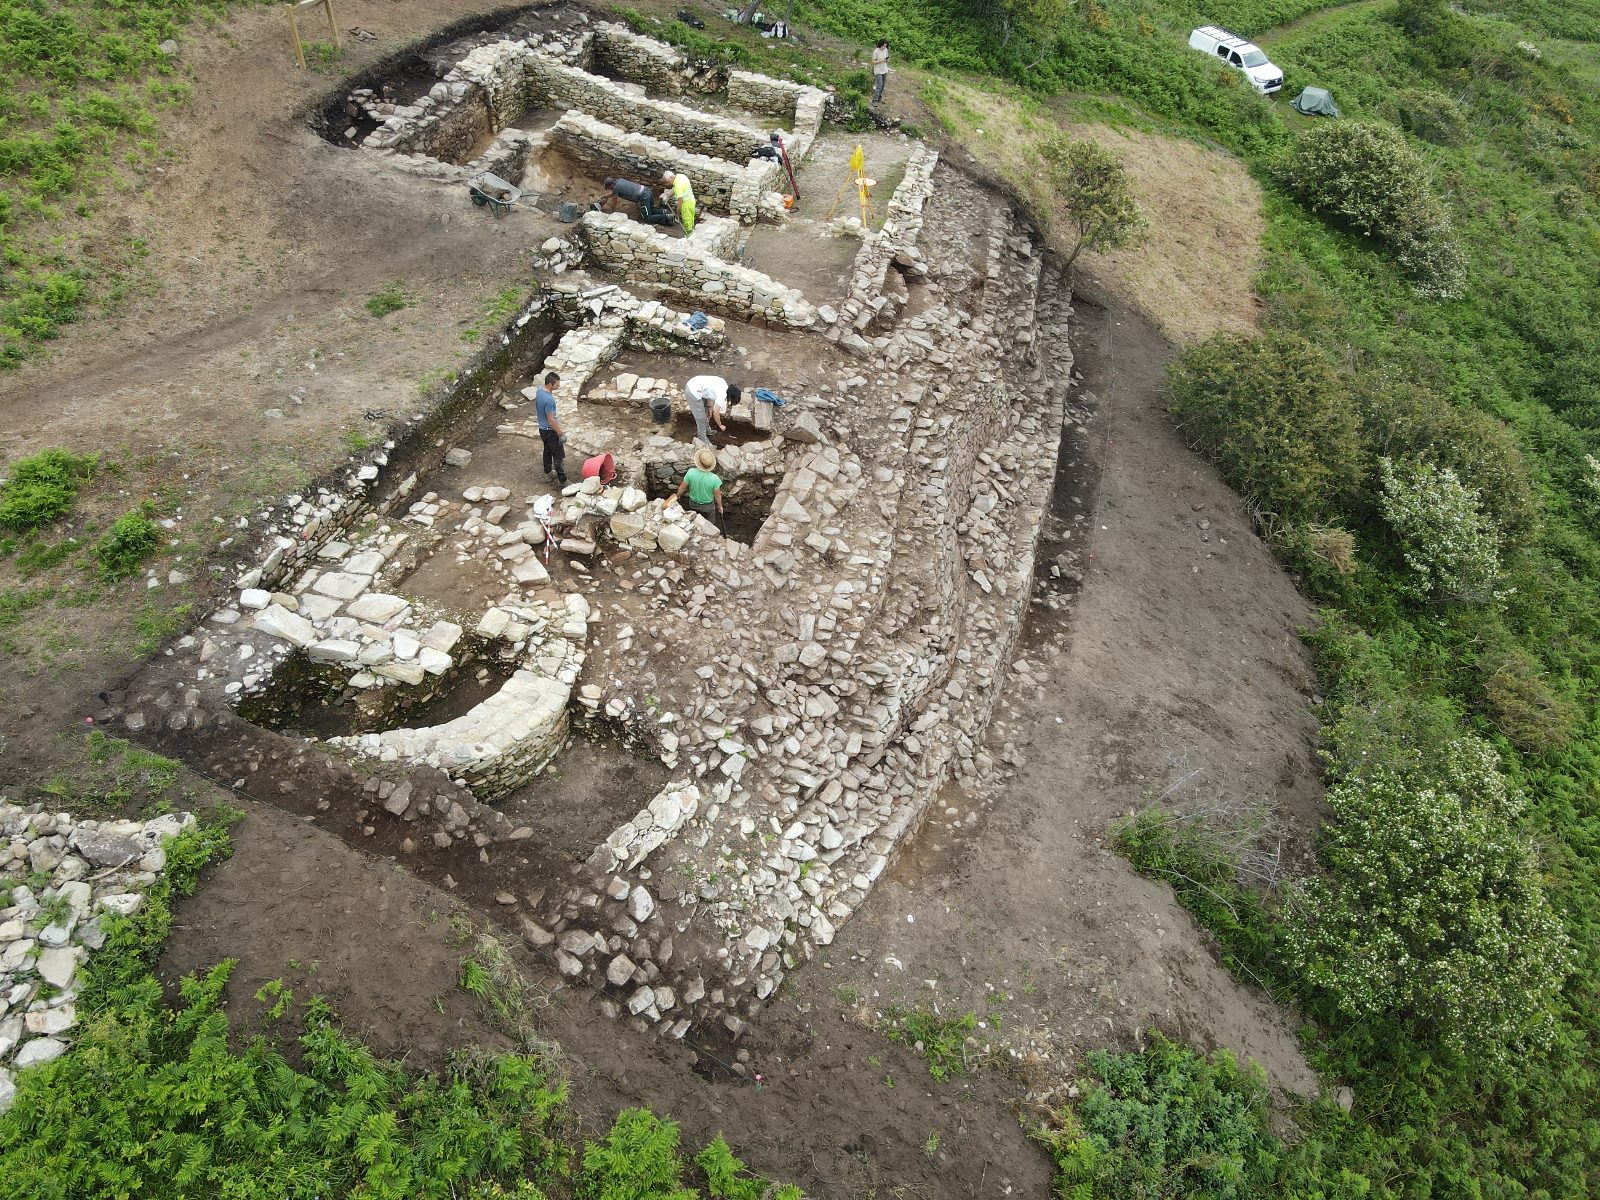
1176	671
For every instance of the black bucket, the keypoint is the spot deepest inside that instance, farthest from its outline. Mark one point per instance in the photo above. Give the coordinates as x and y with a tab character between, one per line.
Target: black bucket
661	409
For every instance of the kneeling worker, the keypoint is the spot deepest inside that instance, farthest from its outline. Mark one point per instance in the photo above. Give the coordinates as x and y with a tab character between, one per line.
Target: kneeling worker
703	487
637	193
679	197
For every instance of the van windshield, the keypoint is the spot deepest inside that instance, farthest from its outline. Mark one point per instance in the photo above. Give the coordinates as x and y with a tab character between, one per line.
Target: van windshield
1254	58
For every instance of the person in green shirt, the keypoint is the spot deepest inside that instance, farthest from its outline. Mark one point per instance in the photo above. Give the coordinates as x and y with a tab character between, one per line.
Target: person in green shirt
701	489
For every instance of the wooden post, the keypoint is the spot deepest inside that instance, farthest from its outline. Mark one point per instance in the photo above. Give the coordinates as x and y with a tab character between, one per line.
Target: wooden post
294	32
333	27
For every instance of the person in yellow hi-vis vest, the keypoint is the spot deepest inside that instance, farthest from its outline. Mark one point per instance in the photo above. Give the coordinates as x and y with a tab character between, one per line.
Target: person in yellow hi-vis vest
679	196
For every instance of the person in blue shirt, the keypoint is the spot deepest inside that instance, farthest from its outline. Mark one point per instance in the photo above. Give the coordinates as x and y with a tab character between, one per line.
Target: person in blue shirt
550	431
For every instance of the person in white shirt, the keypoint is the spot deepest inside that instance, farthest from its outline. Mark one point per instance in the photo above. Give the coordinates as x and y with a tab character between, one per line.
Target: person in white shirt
710	396
880	69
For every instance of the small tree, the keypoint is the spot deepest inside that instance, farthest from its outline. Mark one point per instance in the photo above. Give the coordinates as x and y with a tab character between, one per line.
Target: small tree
1093	188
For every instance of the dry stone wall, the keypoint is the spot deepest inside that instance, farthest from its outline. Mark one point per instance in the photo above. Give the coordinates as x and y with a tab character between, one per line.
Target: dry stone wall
797	106
718	183
617	50
868	304
694	268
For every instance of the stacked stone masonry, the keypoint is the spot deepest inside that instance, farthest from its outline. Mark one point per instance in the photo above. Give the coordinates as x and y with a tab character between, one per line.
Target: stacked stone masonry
693	268
608	125
894	244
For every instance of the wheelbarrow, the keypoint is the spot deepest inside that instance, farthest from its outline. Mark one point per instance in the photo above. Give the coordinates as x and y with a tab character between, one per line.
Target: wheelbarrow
498	194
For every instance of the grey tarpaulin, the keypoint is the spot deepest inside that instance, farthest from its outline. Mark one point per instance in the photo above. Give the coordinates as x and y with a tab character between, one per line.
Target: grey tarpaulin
1316	102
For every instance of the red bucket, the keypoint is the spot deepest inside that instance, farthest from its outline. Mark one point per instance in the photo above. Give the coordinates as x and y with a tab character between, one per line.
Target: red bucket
601	465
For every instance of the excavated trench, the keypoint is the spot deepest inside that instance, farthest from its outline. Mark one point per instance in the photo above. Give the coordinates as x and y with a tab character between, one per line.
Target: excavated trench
407	75
315	700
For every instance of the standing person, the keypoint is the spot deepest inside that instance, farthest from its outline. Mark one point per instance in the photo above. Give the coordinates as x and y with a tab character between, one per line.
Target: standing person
679	197
709	399
550	431
880	69
636	193
703	486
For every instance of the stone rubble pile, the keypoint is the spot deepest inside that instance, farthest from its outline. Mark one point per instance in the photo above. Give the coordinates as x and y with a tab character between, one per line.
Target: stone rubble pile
59	877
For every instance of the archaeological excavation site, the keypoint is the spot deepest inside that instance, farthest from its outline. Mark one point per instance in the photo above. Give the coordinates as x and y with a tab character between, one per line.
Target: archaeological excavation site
674	758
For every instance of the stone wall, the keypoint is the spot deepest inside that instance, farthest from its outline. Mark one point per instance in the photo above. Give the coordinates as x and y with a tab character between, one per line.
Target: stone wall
607	321
796	105
621	52
693	268
869	305
77	872
494	748
718	184
547	82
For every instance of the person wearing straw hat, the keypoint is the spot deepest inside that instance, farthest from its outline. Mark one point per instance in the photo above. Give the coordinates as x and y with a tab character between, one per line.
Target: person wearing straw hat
701	489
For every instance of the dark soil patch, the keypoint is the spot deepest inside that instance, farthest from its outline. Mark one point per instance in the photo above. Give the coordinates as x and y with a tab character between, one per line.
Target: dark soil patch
746	505
595	784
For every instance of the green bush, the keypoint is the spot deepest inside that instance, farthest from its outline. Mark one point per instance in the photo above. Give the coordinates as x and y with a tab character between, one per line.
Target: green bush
122	549
1453	550
1275	416
1364	175
1523	706
1431	914
1404	420
386	300
941	1040
42	488
1432	116
1165	1122
637	1160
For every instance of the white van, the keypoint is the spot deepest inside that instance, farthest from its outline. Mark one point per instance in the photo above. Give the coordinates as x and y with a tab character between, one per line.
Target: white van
1239	54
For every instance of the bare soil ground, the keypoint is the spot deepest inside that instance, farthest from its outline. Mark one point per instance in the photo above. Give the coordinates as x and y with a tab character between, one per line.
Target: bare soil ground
235	378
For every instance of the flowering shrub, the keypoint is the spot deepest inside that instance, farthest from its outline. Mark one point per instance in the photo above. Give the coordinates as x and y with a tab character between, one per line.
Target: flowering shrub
1432	912
1365	175
1452	548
